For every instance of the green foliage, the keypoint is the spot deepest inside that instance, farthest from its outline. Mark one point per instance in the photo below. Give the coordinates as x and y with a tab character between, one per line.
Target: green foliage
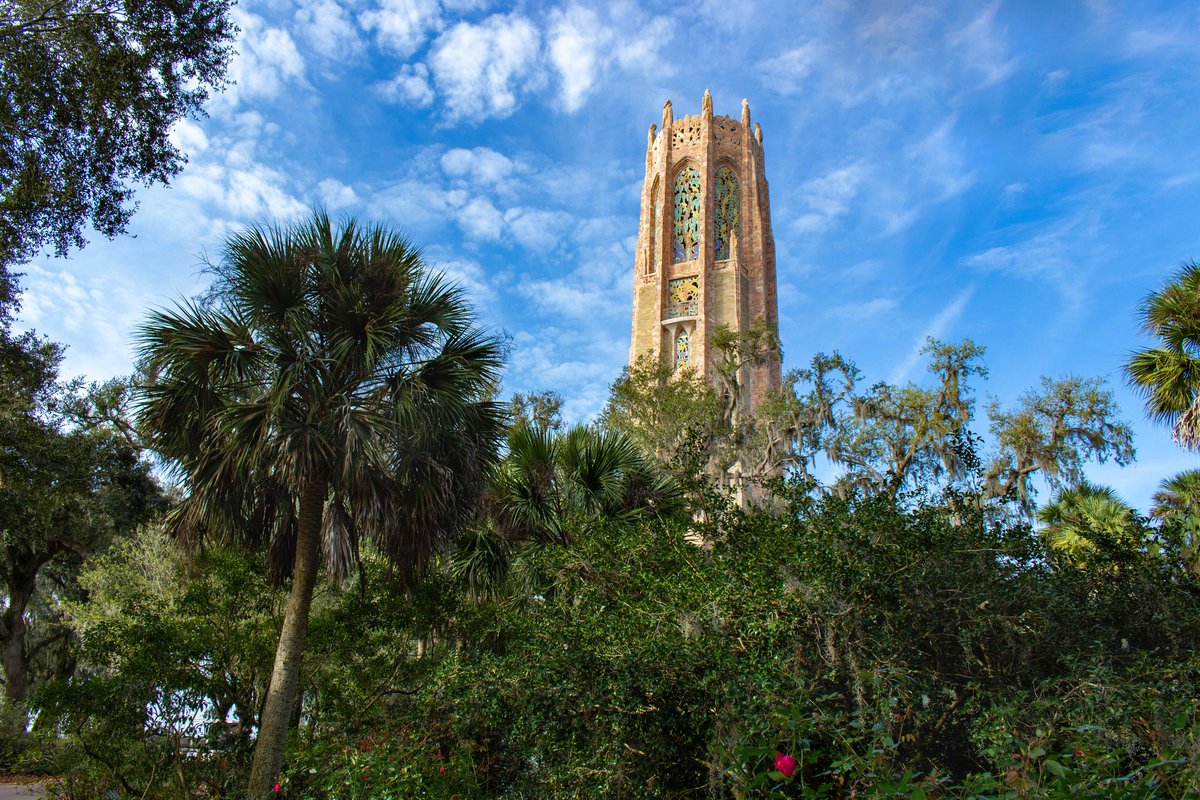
1089	522
907	435
895	647
676	417
1168	376
1055	431
536	410
175	655
71	478
92	89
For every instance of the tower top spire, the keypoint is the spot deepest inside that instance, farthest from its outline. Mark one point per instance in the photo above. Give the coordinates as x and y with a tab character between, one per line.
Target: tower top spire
706	104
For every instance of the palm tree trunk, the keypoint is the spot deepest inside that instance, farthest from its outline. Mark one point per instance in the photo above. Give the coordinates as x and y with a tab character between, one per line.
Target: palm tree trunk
281	694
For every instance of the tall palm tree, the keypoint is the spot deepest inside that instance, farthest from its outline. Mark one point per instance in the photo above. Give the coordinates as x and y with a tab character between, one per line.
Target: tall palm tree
1169	375
1086	519
328	390
1177	502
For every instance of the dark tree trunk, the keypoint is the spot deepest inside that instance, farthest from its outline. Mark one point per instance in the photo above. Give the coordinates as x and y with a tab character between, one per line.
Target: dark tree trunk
20	576
16	668
281	693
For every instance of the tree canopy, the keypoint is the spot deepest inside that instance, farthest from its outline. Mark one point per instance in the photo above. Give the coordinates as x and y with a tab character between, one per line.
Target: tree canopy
91	90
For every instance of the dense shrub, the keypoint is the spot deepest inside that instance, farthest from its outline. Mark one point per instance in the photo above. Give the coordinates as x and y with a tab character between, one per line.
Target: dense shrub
918	647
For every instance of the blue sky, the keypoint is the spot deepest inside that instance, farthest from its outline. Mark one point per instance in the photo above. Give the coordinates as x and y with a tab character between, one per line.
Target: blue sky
1020	173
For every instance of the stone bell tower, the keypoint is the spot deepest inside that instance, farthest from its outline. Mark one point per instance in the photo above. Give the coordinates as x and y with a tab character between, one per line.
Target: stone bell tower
705	254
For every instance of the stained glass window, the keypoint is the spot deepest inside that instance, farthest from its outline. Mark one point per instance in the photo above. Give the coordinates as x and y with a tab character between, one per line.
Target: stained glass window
687	214
726	208
683	297
683	349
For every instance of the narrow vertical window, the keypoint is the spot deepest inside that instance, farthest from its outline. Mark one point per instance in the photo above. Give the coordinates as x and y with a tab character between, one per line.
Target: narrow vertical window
687	214
655	221
683	349
726	211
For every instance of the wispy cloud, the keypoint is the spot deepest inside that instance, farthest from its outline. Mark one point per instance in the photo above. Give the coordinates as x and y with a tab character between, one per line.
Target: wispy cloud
937	328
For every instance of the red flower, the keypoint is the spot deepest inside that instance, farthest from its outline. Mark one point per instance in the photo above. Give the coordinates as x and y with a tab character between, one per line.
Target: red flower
276	788
785	764
442	769
1079	754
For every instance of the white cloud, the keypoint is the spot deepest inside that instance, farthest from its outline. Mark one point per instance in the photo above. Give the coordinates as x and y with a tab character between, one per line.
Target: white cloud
470	276
1051	257
479	165
327	26
419	205
244	190
335	194
828	197
267	59
592	295
189	137
479	68
576	41
410	86
536	229
94	312
479	219
402	26
584	49
786	73
981	47
938	161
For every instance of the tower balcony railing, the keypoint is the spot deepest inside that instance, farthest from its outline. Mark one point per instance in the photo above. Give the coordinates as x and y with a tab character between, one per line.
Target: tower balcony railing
686	308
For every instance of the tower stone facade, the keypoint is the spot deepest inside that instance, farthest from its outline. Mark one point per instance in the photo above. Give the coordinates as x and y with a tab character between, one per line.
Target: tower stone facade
705	254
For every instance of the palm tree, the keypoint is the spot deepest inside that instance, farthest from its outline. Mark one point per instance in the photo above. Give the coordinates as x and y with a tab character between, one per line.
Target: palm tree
327	390
548	489
1177	502
1086	519
1169	375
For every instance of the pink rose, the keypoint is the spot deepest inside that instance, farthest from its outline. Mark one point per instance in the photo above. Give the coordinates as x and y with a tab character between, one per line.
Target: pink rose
785	764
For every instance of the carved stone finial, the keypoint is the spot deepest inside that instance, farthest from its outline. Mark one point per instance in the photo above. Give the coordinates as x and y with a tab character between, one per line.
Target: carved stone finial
758	133
706	106
650	136
668	117
745	113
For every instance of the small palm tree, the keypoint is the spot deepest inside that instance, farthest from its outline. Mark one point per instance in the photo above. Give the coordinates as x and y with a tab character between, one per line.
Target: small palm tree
328	390
1168	376
1085	519
550	488
1177	503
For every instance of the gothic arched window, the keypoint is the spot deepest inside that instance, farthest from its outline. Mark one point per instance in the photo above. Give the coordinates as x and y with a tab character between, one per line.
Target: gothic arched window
683	349
727	204
687	214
